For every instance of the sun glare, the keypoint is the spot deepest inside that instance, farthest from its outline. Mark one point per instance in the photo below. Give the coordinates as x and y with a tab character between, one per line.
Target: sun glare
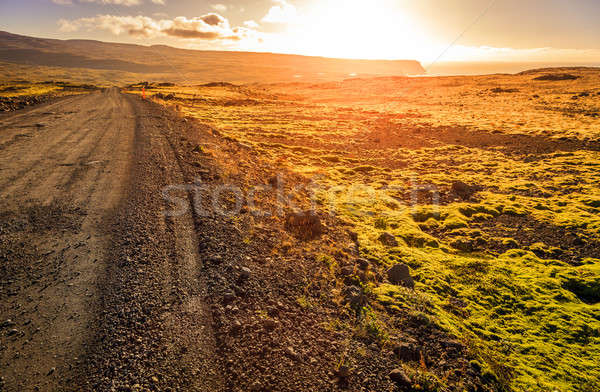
354	29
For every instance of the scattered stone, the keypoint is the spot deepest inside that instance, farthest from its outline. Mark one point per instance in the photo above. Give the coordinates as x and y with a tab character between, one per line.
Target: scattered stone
228	297
216	259
7	323
399	274
363	264
353	295
304	225
388	239
291	353
236	326
343	371
400	378
12	332
453	344
270	324
406	352
245	273
347	270
51	371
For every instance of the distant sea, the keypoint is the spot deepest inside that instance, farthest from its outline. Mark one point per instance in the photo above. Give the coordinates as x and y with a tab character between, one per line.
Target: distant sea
482	68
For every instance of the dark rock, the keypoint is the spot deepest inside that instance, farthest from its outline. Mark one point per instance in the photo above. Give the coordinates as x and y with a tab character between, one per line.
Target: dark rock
453	345
343	371
399	274
363	264
304	225
388	239
12	332
347	270
400	378
464	191
236	326
462	244
275	181
406	352
353	235
353	295
245	273
291	353
7	323
228	297
270	324
216	259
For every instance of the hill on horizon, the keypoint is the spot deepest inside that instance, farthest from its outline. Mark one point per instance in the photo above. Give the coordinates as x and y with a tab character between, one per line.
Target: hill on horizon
161	62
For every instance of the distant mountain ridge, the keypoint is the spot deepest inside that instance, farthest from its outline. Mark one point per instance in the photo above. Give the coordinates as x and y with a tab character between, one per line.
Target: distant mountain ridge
192	65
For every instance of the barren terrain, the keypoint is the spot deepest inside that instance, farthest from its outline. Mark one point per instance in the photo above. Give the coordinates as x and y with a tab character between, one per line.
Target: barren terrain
481	190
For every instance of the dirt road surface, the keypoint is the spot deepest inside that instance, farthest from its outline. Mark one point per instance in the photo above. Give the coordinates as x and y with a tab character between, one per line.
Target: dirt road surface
98	289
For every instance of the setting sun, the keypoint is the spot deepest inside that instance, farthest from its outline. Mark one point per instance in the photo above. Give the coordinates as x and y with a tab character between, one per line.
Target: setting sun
353	30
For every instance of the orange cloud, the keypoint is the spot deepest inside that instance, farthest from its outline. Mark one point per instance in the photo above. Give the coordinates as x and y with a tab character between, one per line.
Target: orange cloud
211	26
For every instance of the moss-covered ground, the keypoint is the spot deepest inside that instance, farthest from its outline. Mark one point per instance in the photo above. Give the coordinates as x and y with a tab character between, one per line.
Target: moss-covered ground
511	269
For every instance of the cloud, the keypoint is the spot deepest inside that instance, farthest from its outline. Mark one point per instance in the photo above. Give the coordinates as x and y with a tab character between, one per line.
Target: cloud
251	24
281	13
211	26
127	3
219	7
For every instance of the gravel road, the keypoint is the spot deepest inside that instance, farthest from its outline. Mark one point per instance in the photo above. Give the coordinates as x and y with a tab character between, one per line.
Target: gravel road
98	289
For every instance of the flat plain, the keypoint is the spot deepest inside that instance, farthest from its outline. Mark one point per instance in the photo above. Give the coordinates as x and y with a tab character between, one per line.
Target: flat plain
487	185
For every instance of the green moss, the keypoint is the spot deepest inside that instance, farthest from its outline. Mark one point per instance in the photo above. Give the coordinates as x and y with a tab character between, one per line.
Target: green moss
530	320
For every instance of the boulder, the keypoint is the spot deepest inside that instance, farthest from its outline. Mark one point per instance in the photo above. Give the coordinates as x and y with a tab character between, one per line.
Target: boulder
304	225
399	274
464	191
388	239
363	264
400	378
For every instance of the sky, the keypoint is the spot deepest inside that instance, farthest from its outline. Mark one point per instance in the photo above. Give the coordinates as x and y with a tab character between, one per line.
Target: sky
427	30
